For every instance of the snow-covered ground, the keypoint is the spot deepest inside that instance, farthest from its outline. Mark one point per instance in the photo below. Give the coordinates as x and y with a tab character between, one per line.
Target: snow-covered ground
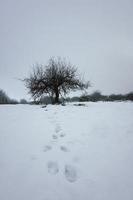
66	152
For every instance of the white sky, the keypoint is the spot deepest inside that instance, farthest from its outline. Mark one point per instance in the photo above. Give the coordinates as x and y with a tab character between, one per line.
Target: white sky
94	35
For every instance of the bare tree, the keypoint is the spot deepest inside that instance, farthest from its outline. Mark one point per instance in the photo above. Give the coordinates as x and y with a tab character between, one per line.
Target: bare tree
57	78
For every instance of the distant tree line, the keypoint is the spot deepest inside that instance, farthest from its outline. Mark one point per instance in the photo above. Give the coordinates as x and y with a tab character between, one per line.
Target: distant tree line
4	99
97	96
94	97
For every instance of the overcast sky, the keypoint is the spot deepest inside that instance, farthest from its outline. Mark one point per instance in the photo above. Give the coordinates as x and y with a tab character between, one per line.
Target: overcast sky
94	35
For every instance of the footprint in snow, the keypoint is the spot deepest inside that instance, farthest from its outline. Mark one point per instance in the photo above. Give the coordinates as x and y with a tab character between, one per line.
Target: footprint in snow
57	129
63	148
70	173
62	135
55	137
52	167
47	148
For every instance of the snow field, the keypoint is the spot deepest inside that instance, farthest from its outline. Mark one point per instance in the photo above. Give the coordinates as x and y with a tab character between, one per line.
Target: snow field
66	152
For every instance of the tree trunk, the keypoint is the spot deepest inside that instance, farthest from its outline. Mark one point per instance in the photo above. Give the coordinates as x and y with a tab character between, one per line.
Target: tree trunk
57	97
